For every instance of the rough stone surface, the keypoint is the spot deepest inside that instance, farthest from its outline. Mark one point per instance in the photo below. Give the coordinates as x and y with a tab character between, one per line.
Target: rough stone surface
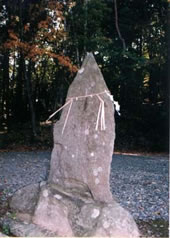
21	229
25	217
52	214
82	153
115	221
25	199
61	212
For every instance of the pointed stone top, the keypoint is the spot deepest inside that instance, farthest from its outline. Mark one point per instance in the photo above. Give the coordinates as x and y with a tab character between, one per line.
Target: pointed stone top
89	59
89	62
89	79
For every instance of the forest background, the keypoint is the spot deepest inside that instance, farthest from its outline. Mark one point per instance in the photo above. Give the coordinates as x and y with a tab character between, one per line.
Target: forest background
42	45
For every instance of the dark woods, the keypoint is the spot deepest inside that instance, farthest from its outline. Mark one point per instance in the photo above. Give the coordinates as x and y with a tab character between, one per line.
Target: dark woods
42	44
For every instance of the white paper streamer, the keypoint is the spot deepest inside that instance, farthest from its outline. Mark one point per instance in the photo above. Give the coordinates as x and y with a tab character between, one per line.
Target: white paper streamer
117	107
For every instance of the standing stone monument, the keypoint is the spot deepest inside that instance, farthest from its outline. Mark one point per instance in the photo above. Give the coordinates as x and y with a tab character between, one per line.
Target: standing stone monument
83	152
76	199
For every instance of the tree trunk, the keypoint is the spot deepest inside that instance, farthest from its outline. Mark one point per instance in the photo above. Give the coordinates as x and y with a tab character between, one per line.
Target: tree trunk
117	26
168	43
85	26
3	92
5	99
75	40
19	104
153	85
27	76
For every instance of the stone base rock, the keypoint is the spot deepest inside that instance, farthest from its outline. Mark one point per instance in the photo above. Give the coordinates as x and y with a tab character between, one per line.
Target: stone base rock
68	212
21	229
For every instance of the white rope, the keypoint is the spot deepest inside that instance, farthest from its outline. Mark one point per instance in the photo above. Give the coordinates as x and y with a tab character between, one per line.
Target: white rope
58	110
89	95
101	111
102	116
103	126
71	102
98	116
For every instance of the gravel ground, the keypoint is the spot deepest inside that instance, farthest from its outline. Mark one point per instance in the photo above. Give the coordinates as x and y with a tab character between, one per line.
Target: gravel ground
139	183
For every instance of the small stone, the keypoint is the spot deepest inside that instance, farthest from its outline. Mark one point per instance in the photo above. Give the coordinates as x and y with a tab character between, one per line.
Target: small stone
115	221
25	199
19	229
52	215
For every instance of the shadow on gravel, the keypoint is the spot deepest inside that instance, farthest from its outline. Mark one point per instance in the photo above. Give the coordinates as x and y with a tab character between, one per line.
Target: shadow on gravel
153	228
